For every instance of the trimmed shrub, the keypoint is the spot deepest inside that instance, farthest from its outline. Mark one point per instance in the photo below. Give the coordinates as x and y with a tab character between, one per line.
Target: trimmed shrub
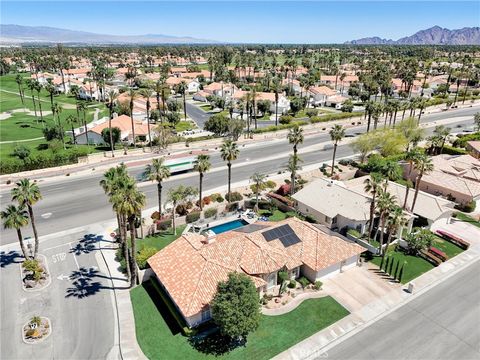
234	196
285	119
192	217
311	112
210	213
453	151
310	219
292	284
282	276
181	209
304	282
318	285
144	255
232	206
163	225
468	207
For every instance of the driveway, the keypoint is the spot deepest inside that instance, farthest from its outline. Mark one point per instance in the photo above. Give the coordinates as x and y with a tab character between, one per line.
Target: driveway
462	229
197	115
78	303
358	287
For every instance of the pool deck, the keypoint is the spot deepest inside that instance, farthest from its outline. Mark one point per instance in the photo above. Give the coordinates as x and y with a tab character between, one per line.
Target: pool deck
207	224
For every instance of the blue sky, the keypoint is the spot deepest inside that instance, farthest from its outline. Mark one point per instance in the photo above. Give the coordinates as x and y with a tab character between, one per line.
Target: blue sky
247	21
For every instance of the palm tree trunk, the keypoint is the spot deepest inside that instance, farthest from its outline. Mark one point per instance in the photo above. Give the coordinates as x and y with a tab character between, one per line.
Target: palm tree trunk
185	106
389	239
200	192
112	146
85	126
34	228
372	214
22	244
34	106
148	128
333	159
173	218
134	278
417	185
159	194
125	248
382	234
229	165
133	126
74	137
40	107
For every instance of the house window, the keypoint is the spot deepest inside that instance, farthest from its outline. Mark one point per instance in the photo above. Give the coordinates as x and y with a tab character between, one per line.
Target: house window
334	220
206	315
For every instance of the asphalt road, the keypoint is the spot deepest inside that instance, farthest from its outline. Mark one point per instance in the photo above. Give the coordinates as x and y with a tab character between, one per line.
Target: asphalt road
198	115
78	201
443	323
78	303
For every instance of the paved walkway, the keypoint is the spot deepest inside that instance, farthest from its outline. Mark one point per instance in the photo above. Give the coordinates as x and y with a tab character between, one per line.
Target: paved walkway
318	344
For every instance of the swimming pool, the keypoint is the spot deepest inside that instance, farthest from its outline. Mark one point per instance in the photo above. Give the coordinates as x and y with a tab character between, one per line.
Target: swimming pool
231	225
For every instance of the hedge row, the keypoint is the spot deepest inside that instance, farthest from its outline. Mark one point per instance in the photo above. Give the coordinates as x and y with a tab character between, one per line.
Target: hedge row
42	160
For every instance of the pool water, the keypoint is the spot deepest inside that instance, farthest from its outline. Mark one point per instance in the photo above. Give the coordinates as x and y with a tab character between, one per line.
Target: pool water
218	229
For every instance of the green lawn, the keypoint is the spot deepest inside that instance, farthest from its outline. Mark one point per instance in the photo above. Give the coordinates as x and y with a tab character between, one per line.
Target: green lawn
161	240
469	219
159	338
277	215
207	107
415	265
184	125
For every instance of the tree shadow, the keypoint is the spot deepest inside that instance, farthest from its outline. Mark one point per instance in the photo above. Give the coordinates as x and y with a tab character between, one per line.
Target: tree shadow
90	273
215	343
12	257
86	245
83	288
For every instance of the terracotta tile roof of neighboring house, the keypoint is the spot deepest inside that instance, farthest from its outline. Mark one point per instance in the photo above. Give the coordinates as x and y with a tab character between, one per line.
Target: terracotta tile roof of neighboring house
76	71
398	84
333	198
190	269
215	86
475	145
172	80
332	78
337	99
202	94
124	123
322	90
178	69
427	205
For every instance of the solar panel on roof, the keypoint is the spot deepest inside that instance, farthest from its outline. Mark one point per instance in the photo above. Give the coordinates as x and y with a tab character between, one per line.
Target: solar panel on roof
283	233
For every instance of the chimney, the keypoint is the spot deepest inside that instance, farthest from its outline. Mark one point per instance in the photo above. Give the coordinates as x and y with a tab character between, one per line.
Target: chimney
209	236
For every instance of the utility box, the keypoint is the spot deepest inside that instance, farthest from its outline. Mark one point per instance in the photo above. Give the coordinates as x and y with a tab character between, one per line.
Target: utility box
410	288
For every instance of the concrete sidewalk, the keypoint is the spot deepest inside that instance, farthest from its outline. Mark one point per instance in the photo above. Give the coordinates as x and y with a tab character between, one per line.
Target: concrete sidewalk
318	344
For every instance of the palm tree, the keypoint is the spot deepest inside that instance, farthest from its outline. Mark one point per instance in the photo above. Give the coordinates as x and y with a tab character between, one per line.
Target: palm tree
51	90
112	96
177	196
182	89
258	184
27	193
72	120
396	218
442	132
31	86
392	171
129	202
336	134
16	217
38	88
81	107
292	167
147	94
423	165
19	81
372	186
385	204
202	165
276	88
229	152
132	94
410	158
158	171
295	137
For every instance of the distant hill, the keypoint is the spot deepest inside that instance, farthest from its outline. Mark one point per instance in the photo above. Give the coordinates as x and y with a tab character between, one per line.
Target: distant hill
434	36
18	34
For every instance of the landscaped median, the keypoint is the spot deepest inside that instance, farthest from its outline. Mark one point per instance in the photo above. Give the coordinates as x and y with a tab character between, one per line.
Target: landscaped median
160	336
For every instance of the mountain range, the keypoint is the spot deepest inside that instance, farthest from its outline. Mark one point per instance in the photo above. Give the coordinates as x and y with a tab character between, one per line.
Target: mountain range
433	36
19	34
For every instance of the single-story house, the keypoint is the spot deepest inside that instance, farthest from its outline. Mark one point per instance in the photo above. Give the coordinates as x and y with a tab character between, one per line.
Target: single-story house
456	177
192	84
320	94
190	268
334	205
220	89
123	122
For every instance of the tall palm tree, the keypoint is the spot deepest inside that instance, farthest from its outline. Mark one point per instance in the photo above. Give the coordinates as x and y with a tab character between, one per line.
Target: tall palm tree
396	218
38	88
182	89
177	196
292	167
423	165
336	134
112	96
82	108
410	158
229	152
27	193
31	86
258	184
72	120
202	165
385	204
442	132
372	186
16	217
392	171
147	94
19	81
158	171
295	137
132	94
129	202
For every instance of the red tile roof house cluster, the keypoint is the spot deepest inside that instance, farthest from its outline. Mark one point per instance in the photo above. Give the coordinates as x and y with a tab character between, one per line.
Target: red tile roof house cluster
190	268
